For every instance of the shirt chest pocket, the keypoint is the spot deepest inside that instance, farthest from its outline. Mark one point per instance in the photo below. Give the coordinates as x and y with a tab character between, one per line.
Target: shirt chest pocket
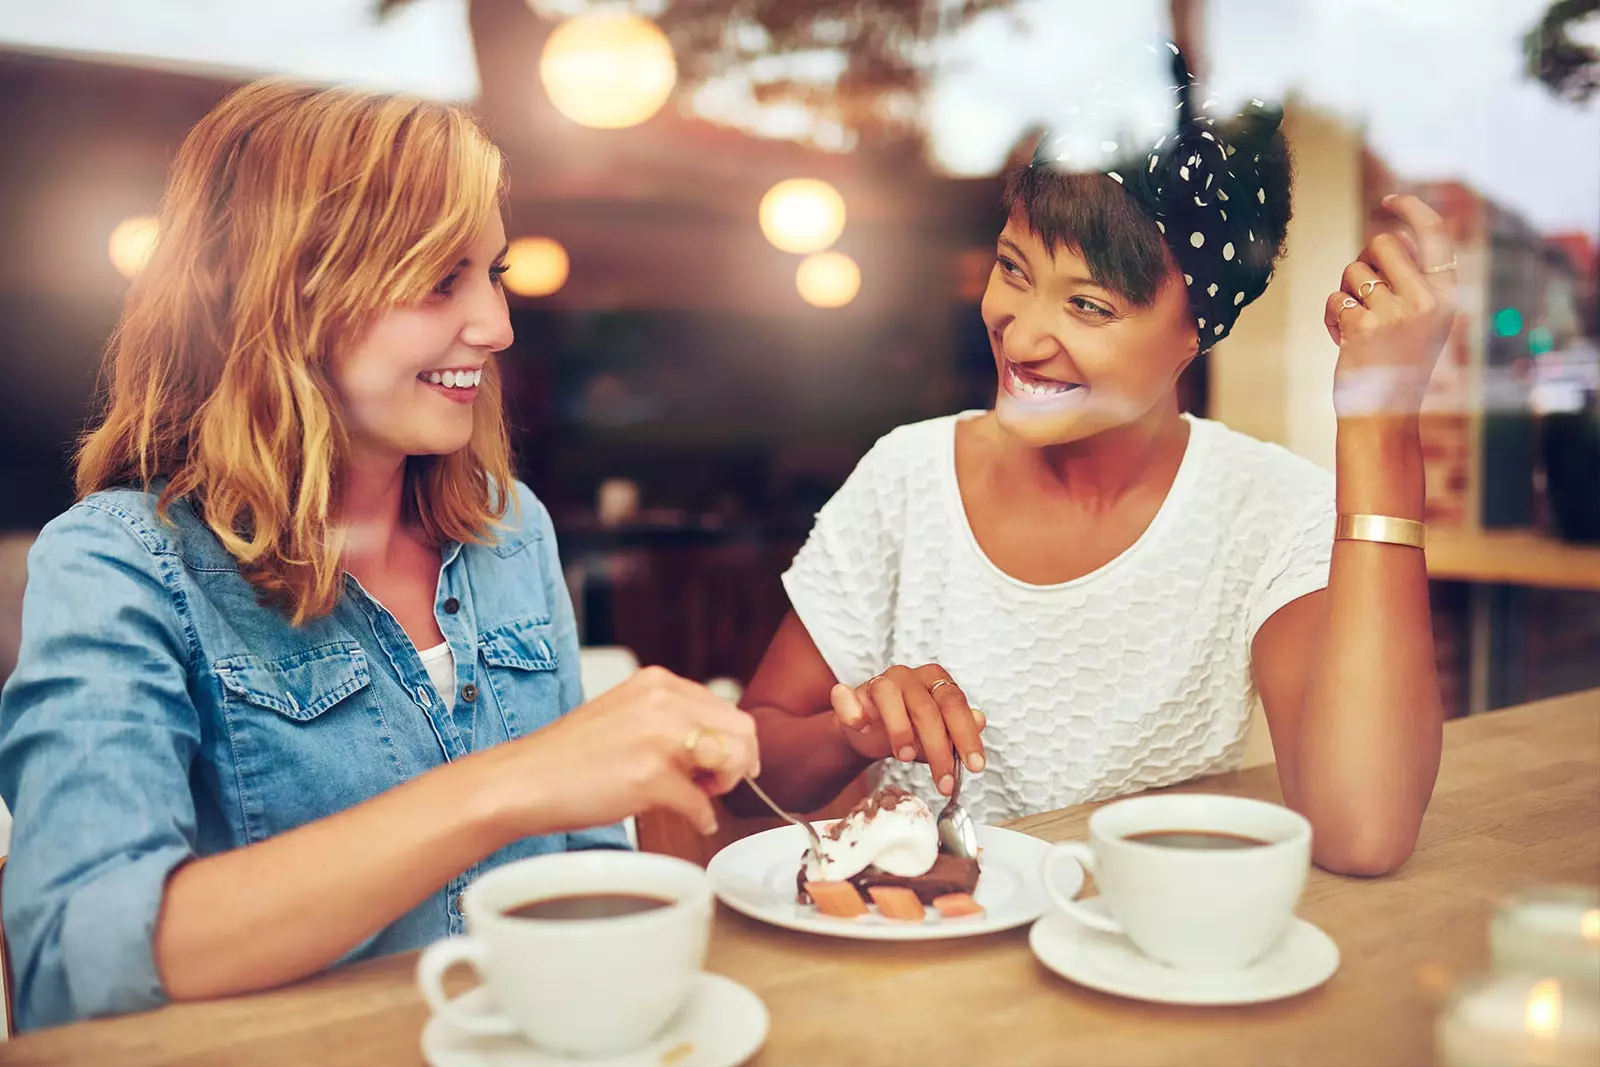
523	669
307	734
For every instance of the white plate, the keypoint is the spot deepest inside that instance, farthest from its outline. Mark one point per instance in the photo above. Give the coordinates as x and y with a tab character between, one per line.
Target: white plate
1304	959
723	1025
756	876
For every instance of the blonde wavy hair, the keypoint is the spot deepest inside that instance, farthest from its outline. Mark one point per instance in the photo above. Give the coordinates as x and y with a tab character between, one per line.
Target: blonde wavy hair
293	216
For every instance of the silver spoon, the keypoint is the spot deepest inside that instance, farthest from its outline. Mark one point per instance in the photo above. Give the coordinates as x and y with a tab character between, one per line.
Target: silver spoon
811	831
957	835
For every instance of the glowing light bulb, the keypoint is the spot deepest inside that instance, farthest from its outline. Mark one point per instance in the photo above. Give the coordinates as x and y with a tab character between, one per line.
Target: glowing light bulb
131	244
608	71
828	279
802	215
536	266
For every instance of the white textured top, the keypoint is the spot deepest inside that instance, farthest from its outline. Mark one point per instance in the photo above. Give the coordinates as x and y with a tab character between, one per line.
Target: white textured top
440	663
1133	676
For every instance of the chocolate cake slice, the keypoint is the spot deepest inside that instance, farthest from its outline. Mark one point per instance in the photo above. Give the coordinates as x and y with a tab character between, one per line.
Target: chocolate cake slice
948	874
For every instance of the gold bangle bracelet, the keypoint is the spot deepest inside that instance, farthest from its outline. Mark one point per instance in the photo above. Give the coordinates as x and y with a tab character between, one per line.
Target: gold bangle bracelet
1382	528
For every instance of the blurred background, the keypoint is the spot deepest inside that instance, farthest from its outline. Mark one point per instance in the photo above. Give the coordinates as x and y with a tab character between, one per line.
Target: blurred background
750	237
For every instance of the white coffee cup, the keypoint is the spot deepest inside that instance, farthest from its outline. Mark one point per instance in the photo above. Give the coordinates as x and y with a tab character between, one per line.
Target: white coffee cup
1204	909
592	986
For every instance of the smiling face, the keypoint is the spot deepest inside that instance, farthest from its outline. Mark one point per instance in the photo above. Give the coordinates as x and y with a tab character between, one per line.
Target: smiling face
410	381
1075	358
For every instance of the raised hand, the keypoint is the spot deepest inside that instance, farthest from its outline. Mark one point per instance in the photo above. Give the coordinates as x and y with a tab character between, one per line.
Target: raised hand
1392	315
913	714
655	741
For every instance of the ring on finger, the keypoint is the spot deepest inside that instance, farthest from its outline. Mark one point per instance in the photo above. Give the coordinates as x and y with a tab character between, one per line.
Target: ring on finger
934	688
1349	302
691	744
1365	289
1441	268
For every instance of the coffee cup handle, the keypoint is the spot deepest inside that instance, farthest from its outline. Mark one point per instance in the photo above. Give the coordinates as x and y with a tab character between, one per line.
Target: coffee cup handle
437	959
1081	852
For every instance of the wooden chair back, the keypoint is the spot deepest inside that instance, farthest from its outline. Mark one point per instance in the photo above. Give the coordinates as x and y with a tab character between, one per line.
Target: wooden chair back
5	971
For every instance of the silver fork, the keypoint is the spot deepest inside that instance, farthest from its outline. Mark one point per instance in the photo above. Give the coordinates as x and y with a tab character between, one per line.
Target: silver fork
811	831
956	833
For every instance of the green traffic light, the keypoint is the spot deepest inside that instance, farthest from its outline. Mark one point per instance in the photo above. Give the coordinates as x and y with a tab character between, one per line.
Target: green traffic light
1508	322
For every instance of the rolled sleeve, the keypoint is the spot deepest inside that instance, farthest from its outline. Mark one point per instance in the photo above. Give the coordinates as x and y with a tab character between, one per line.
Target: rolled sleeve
97	737
612	836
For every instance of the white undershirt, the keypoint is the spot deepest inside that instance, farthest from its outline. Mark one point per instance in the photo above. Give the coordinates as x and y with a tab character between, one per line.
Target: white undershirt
440	664
1134	676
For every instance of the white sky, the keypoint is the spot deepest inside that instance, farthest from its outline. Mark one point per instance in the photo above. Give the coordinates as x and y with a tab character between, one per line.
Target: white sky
1436	83
424	49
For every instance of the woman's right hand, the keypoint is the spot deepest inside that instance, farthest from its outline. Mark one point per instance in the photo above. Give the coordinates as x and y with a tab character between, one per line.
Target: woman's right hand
913	713
655	741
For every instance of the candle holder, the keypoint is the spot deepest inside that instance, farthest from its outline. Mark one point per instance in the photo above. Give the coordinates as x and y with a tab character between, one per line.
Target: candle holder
1549	932
1516	1020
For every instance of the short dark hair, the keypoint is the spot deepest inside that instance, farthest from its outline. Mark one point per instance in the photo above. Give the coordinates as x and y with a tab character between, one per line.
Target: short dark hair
1095	217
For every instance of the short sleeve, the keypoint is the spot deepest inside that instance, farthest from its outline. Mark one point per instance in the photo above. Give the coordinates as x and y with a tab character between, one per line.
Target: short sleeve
97	738
1298	563
843	581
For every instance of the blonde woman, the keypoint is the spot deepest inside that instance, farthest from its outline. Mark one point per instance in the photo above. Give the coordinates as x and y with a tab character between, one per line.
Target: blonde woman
301	663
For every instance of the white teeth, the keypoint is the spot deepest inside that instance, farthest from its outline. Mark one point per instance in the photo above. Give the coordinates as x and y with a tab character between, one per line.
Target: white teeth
455	379
1029	388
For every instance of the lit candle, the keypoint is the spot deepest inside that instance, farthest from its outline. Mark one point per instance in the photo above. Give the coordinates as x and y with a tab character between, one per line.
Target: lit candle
1517	1021
1551	932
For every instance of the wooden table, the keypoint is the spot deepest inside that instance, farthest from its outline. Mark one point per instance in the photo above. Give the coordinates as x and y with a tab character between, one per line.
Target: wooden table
1518	801
1512	557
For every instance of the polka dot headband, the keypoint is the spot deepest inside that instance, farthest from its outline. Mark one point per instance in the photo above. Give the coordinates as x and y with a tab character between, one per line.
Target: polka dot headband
1201	184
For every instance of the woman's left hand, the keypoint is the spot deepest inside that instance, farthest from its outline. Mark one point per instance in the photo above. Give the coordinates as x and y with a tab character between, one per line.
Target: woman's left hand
1392	315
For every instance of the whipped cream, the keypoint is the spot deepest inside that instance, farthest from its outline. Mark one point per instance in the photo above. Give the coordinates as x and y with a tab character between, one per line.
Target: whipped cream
891	830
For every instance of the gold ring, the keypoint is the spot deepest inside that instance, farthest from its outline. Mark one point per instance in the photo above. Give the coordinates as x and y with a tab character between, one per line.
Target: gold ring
1441	268
1364	290
934	688
1349	302
691	745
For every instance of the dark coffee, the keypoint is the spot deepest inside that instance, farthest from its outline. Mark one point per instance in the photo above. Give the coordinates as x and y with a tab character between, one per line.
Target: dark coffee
587	906
1205	840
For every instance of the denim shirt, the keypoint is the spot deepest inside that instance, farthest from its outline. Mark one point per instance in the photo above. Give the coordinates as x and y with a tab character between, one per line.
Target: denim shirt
159	712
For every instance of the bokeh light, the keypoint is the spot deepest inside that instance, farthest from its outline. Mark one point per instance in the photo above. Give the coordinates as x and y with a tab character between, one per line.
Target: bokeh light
608	71
536	266
802	215
1508	322
828	279
132	242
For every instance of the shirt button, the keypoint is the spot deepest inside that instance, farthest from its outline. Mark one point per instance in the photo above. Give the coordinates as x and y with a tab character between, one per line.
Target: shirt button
469	693
451	605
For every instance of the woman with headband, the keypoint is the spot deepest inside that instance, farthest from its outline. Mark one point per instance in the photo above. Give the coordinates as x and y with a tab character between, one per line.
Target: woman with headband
1114	582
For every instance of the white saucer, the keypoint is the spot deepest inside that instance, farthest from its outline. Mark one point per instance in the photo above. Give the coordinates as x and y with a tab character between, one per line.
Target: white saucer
1304	959
756	877
723	1025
